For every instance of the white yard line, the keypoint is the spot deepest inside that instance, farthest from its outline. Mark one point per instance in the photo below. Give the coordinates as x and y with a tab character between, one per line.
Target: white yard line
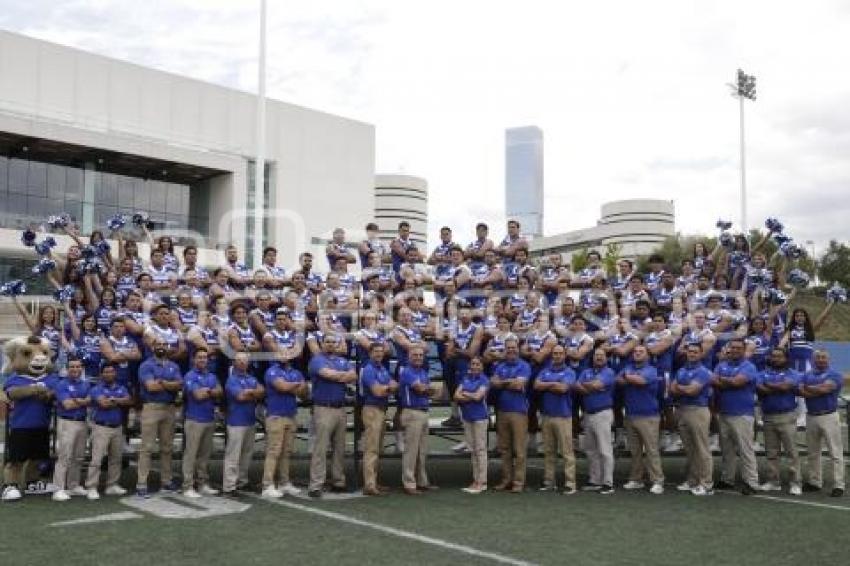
122	516
786	500
400	533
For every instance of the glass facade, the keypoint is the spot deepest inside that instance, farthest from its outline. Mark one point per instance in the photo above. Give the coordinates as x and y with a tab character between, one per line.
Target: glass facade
524	178
30	191
16	268
250	221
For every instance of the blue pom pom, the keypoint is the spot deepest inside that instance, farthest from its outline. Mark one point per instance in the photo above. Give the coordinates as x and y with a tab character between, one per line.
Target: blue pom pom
58	222
723	225
773	225
28	238
116	222
102	248
798	278
140	219
781	239
775	296
64	294
43	247
44	265
837	294
89	252
13	288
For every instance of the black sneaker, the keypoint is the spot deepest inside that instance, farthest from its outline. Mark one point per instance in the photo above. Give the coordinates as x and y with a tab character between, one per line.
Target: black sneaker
591	487
747	489
724	485
810	488
232	494
452	422
837	492
314	493
339	489
606	490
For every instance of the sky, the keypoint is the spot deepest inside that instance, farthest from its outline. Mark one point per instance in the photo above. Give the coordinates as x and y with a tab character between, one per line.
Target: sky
632	96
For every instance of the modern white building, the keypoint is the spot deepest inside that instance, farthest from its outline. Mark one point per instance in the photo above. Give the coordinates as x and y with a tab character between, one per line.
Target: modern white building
636	225
402	197
94	136
524	178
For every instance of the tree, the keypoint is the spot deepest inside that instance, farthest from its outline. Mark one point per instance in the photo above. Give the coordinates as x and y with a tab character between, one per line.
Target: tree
612	256
834	264
579	260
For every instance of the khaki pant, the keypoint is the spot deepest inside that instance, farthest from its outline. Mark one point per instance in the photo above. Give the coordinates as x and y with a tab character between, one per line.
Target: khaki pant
475	434
157	422
196	454
105	441
373	442
736	441
512	433
643	446
694	429
237	456
330	428
70	451
280	440
558	433
827	428
598	447
780	433
415	455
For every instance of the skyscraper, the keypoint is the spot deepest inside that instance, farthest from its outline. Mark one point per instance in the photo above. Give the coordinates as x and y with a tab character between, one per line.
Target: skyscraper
524	178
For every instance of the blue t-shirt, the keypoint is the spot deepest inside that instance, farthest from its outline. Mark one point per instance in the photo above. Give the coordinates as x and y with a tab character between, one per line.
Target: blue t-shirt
197	410
151	370
696	373
373	374
641	400
557	404
511	400
738	401
30	412
278	403
240	413
112	415
824	403
325	391
777	402
474	410
598	400
71	389
408	397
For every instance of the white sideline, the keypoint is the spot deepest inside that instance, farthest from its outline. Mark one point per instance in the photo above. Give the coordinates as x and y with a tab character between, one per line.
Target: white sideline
399	533
122	516
786	500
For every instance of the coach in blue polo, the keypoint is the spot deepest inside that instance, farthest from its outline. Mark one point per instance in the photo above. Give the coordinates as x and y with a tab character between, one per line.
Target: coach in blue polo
330	374
510	379
201	393
640	383
376	386
555	383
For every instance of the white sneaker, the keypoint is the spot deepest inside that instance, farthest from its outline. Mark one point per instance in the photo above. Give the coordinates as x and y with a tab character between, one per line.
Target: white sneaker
473	490
684	486
192	494
115	490
701	491
271	493
61	495
675	444
11	493
632	485
207	490
795	490
92	495
460	447
770	486
657	489
78	491
289	489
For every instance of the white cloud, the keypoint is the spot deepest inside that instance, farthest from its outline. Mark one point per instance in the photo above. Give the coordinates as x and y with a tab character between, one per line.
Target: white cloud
631	95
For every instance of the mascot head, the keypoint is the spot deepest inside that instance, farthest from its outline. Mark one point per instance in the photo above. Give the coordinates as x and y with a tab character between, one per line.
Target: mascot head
27	355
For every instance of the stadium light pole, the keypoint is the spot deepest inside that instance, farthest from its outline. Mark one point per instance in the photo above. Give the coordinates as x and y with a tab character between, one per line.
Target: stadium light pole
744	88
260	158
811	244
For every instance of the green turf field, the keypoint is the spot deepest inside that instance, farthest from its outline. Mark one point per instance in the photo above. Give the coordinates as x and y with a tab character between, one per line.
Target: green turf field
444	527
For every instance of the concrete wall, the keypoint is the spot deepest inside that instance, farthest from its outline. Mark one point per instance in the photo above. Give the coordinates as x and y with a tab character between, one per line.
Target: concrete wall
402	197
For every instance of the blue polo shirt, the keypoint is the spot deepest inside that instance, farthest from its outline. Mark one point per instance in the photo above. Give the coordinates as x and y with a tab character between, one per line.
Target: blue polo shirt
824	403
510	400
641	400
150	370
71	389
327	392
240	413
557	404
474	410
739	401
778	402
695	373
408	397
278	403
199	411
113	415
598	400
30	412
373	374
